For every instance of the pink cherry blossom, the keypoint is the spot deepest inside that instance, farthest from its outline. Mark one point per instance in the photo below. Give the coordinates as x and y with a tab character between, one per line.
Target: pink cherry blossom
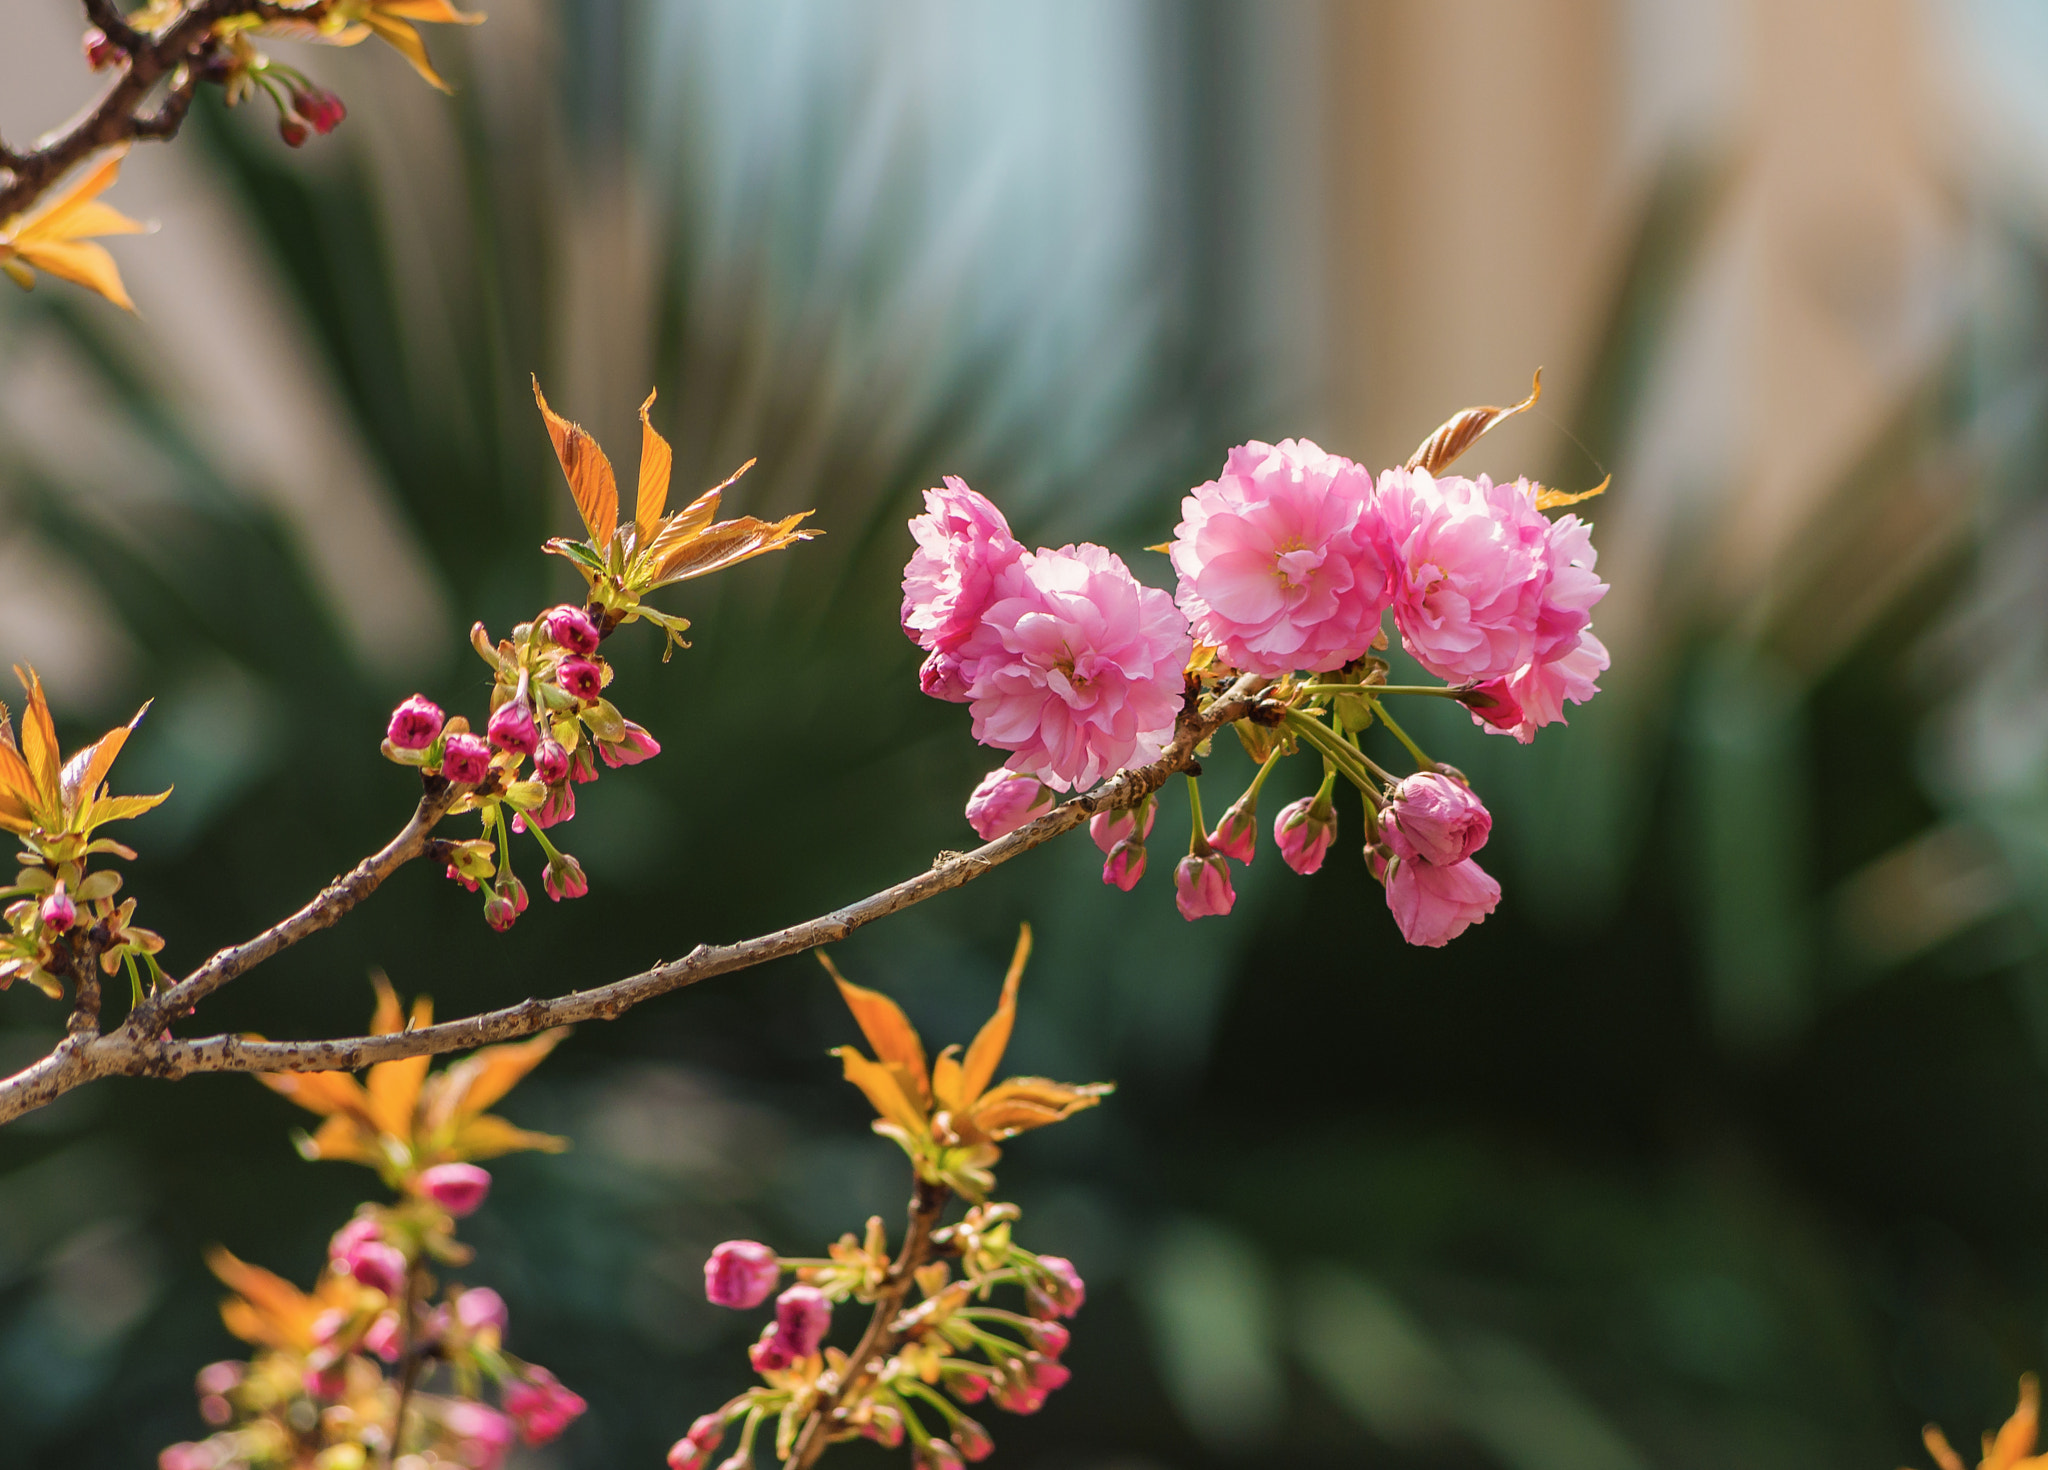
1568	660
541	1406
631	748
1005	801
740	1274
1469	565
1433	905
1432	818
571	627
963	546
1202	887
1280	561
415	723
1076	668
460	1189
479	1307
465	759
512	728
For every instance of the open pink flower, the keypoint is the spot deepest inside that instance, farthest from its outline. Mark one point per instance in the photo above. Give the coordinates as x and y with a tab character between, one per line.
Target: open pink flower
1568	660
1433	905
1077	667
963	546
1469	564
1280	561
1432	818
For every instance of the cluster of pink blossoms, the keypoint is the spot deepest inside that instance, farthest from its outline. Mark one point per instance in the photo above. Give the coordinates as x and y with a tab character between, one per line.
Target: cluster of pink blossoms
1287	563
547	706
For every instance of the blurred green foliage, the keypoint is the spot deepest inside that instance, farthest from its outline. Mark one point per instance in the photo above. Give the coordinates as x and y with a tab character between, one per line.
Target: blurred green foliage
1683	1159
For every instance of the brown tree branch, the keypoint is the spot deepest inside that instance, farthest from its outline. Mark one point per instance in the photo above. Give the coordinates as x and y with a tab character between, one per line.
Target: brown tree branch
140	1047
880	1339
335	900
120	114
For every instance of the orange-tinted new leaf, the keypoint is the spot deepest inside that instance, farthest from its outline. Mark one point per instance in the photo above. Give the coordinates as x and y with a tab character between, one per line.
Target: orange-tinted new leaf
1549	499
887	1029
39	740
489	1136
589	473
329	1093
478	1081
1462	430
727	544
994	1038
656	458
882	1090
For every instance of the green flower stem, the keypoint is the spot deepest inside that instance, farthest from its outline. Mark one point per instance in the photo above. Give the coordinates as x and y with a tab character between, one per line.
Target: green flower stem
1259	780
504	838
930	1396
1329	785
1337	752
534	830
1402	735
1440	691
1198	843
753	1426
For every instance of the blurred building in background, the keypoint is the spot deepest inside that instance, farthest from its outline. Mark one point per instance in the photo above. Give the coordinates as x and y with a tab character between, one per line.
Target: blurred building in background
1722	1143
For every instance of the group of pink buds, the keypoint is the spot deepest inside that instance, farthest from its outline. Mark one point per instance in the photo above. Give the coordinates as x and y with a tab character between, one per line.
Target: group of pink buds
547	706
304	107
949	1349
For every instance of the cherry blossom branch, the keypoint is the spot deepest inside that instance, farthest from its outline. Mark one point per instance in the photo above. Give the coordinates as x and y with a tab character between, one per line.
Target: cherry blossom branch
140	1046
881	1338
122	114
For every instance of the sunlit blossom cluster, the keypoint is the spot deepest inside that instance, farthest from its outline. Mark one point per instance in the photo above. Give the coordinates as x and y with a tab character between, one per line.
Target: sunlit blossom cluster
1288	565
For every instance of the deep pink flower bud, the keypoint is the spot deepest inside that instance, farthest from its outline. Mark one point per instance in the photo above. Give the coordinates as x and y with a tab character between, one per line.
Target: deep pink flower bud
59	912
564	878
383	1338
320	108
1005	801
541	1406
1237	835
580	679
1125	865
1121	825
220	1378
457	1188
325	1383
500	912
1304	830
572	628
967	1386
550	761
376	1265
972	1440
803	1316
635	746
482	1435
771	1354
1062	1285
512	727
415	723
216	1410
688	1454
583	764
1201	886
1493	703
937	1454
466	759
1048	1375
741	1274
101	53
186	1456
884	1426
358	1231
292	131
480	1307
1050	1337
1019	1398
455	875
1434	819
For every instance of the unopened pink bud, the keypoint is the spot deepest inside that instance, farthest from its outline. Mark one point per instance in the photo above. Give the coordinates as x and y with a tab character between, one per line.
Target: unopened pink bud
1493	703
884	1426
101	53
1201	886
1125	864
319	107
1304	831
482	1435
803	1316
1019	1398
1048	1375
559	807
479	1307
512	727
572	628
378	1266
972	1440
550	761
59	912
968	1387
771	1354
415	723
541	1406
325	1383
688	1454
1050	1337
583	765
937	1454
384	1339
635	746
292	131
466	759
1005	801
457	1188
1434	819
1062	1284
740	1274
359	1231
580	679
1237	835
1123	824
564	878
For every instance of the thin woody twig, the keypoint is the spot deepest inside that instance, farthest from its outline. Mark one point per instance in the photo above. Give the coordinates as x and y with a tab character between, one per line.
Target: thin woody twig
139	1048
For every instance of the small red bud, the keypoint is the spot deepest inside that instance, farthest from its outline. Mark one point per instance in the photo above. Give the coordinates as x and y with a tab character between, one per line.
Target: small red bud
59	912
101	53
319	107
292	131
457	1188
